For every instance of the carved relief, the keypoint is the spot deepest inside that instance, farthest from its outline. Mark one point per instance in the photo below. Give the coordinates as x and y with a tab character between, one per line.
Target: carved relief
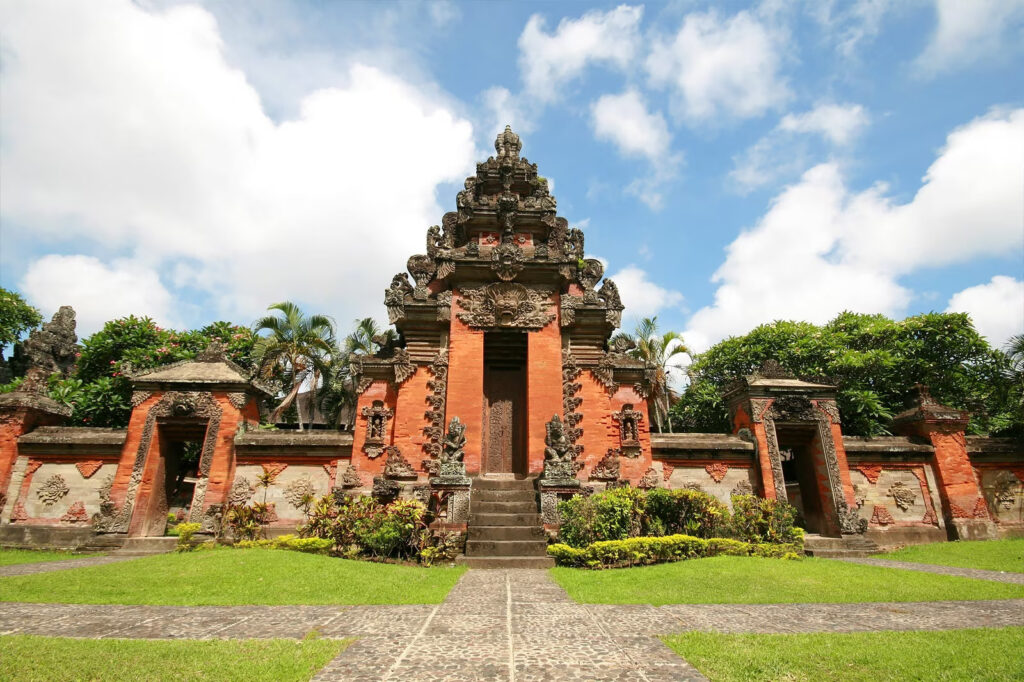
422	269
238	400
608	468
384	489
396	466
139	397
559	457
394	297
350	478
89	467
903	496
1005	489
870	471
300	492
53	489
742	488
241	492
438	387
377	416
505	305
75	513
571	401
273	469
881	516
717	471
507	261
629	420
650	479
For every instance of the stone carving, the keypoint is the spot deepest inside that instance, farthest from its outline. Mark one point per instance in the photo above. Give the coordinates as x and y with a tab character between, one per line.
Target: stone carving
903	496
48	350
350	477
377	416
629	420
830	408
508	145
452	469
52	490
299	492
742	488
404	367
238	400
394	297
666	471
396	466
549	508
609	295
241	492
75	513
870	471
332	471
692	485
559	457
850	522
139	397
211	519
572	248
980	510
438	387
588	276
717	470
507	261
608	468
880	516
89	467
422	269
650	479
1005	489
384	489
273	469
507	305
571	401
793	408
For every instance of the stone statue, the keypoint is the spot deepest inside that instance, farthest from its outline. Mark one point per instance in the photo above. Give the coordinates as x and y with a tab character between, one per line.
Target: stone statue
49	350
452	470
559	457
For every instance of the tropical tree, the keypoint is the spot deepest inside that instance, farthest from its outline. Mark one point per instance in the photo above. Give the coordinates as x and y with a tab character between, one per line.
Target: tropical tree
296	351
657	350
367	336
339	387
16	318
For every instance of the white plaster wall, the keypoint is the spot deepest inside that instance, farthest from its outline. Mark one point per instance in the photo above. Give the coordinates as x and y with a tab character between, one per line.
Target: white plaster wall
81	489
316	474
877	493
723	490
1012	512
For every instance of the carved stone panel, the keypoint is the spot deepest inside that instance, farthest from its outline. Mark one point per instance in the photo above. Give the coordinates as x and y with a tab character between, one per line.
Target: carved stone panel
377	416
506	305
629	420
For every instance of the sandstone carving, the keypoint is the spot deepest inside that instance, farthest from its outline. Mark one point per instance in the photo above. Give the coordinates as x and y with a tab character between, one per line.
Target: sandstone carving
52	490
505	305
299	492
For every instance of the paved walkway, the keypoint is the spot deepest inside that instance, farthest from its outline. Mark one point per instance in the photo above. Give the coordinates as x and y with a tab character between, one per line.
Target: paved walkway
976	573
62	564
499	625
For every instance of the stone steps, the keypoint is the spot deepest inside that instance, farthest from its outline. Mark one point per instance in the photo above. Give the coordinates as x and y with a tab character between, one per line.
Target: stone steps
146	546
846	547
505	529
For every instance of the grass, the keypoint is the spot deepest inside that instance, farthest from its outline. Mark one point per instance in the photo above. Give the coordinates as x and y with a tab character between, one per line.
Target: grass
992	555
751	580
983	654
28	657
229	577
9	557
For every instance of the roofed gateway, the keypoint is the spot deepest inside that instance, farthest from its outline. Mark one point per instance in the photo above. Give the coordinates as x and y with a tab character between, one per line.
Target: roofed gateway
503	393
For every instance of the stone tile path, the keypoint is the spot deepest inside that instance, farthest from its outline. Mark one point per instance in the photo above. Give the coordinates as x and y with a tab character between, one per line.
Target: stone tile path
499	625
977	573
61	565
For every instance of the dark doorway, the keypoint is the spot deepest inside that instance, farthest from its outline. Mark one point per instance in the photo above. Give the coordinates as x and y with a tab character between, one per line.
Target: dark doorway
174	477
800	474
505	403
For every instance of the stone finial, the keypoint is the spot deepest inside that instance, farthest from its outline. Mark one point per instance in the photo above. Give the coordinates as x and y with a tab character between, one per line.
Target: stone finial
927	410
215	351
508	145
50	350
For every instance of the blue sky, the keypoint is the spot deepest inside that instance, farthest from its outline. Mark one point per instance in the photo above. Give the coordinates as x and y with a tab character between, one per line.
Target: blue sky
733	163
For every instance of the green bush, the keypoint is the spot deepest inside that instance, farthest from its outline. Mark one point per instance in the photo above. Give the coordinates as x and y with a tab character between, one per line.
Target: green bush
642	551
290	542
185	533
361	525
758	520
628	512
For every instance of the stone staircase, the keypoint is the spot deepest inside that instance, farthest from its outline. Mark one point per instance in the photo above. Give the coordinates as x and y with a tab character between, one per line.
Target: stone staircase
846	547
505	527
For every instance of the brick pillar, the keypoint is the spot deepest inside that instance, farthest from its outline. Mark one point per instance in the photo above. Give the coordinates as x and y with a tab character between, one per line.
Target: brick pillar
21	412
466	386
963	505
543	389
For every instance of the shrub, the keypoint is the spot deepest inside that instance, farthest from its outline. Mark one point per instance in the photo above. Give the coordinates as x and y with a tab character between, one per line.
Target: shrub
759	520
686	512
642	551
290	542
248	522
185	533
362	525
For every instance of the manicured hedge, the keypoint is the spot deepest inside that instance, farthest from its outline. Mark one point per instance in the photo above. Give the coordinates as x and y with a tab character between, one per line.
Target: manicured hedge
641	551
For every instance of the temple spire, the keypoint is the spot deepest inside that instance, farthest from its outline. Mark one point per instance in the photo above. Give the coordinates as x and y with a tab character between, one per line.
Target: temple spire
508	145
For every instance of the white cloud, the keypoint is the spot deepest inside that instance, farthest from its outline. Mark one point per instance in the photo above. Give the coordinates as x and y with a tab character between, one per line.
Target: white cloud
997	308
968	30
853	24
785	150
838	123
504	108
822	248
641	296
625	121
720	67
98	292
127	127
549	61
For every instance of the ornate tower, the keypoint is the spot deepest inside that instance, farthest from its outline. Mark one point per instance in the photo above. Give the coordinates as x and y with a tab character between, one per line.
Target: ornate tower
505	327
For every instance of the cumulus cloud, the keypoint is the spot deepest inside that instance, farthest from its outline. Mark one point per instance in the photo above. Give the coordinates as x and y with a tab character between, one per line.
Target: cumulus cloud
549	61
98	292
785	150
822	248
504	108
720	67
849	25
126	127
641	296
625	121
967	31
997	308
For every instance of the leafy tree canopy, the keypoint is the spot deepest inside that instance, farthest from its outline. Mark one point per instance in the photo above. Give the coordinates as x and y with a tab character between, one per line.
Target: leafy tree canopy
874	361
100	391
16	317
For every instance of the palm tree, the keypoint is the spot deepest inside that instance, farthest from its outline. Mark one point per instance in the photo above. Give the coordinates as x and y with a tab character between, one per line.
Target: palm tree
339	390
366	337
656	350
297	350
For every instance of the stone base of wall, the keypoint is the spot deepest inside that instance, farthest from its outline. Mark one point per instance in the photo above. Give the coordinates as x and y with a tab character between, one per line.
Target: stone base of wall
899	536
52	537
1006	532
974	529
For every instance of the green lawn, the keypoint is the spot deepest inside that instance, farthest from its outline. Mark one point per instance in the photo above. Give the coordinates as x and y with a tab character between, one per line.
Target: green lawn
230	577
9	557
984	654
751	580
28	657
992	555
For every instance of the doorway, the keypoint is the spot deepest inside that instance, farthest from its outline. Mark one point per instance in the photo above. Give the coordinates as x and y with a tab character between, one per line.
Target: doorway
799	471
173	477
505	357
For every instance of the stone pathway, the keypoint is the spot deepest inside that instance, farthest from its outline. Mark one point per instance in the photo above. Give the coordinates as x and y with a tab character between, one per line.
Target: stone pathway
513	625
976	573
61	565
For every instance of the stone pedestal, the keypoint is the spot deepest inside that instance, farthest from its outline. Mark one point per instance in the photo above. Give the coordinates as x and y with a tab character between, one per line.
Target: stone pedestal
457	493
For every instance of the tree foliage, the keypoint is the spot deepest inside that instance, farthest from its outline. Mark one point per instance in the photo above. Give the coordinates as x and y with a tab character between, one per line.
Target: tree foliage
16	317
874	361
657	350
